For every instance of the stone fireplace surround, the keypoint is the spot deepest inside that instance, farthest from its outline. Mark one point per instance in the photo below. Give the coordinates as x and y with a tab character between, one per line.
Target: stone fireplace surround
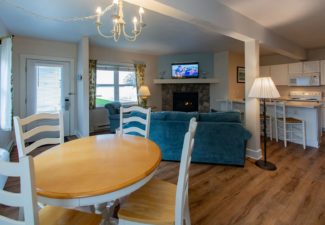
202	89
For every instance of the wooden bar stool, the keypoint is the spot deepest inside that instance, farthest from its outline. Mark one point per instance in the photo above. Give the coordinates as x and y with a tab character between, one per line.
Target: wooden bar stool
290	128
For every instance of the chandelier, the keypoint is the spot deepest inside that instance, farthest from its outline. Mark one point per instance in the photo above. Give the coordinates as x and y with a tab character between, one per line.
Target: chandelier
119	22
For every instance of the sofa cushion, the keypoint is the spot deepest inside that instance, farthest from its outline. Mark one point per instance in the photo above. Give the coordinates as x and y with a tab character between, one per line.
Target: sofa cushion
181	116
158	116
220	117
113	108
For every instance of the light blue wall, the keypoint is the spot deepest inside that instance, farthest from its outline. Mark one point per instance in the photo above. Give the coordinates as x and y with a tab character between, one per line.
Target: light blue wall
205	62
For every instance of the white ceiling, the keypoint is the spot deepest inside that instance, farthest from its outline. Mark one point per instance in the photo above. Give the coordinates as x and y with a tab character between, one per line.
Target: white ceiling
300	21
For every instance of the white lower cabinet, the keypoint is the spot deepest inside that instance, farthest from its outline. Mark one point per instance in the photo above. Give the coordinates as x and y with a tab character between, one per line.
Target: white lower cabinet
323	116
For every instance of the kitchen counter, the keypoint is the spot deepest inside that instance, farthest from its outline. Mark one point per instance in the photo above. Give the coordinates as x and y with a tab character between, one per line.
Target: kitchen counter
299	104
310	112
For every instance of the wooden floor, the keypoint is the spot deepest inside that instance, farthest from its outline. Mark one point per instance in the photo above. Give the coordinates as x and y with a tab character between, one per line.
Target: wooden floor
294	194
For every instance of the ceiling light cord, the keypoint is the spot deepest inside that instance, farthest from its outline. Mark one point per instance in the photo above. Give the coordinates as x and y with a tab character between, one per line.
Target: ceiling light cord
56	19
117	17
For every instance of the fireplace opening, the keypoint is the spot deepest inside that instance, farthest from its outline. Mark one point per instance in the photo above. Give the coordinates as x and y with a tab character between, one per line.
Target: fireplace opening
185	101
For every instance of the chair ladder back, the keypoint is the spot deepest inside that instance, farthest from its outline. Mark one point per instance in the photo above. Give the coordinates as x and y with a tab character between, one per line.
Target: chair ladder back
22	136
27	198
183	177
145	122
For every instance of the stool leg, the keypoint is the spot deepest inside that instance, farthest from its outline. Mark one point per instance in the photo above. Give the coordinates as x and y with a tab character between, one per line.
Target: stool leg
271	132
304	134
285	134
276	131
187	216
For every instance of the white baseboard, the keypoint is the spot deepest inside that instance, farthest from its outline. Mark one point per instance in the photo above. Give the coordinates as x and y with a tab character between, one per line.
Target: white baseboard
78	134
254	154
10	146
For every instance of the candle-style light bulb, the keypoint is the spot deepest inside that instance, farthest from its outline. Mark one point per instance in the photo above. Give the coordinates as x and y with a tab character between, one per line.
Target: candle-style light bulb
99	13
114	25
135	21
141	12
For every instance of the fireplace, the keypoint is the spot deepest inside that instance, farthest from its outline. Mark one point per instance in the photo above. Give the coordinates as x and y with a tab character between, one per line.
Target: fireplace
203	91
185	101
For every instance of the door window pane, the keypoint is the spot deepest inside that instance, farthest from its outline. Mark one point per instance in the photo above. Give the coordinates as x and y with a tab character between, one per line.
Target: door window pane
48	88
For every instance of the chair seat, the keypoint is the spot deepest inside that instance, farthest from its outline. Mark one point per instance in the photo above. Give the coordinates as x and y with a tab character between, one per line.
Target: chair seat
154	203
51	215
292	120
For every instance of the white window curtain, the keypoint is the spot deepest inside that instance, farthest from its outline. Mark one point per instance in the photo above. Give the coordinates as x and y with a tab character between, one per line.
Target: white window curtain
6	88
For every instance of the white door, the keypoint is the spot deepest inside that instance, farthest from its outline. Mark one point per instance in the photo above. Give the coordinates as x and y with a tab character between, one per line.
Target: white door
48	88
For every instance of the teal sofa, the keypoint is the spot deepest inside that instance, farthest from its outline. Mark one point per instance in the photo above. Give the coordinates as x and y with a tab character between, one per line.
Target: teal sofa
220	137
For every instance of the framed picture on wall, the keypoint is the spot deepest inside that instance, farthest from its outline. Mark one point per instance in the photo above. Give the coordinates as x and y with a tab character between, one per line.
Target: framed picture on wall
240	74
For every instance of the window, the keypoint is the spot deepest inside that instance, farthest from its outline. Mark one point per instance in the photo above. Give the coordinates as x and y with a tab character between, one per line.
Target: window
115	83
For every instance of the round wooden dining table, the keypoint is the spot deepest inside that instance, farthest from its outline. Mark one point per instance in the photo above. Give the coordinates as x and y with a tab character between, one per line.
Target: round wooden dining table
94	169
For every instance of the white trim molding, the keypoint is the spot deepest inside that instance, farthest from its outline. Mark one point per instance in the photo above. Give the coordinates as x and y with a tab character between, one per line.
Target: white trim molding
254	154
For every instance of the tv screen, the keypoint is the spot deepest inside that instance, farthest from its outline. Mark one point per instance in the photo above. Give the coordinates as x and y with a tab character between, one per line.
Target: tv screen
185	70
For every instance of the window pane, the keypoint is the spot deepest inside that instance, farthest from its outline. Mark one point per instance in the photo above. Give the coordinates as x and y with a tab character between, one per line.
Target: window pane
128	94
104	95
105	77
127	77
48	88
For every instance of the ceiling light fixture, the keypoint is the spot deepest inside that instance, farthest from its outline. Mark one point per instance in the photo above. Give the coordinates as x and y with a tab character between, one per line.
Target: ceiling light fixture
117	18
119	22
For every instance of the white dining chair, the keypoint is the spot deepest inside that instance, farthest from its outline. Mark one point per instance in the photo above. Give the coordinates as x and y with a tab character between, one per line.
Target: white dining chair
23	132
133	119
160	202
26	200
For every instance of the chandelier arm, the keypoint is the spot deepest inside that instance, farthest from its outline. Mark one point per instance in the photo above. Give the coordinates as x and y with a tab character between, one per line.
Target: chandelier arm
129	37
117	33
102	34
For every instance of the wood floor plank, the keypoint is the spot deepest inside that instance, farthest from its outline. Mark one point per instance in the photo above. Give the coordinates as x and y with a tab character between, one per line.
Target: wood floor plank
294	194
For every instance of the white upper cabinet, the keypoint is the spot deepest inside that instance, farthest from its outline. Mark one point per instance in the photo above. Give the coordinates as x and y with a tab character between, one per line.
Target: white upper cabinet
304	67
279	74
311	67
322	72
296	68
265	71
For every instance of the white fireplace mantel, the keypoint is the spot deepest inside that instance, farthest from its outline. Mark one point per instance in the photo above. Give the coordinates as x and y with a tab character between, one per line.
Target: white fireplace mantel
186	81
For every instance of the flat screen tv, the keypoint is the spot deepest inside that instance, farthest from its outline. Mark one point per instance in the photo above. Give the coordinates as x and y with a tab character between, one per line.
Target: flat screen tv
185	70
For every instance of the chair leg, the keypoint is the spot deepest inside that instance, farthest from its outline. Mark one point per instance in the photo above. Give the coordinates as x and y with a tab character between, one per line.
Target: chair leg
187	216
304	134
285	135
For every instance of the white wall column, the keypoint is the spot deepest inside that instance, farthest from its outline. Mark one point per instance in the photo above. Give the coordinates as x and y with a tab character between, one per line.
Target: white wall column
83	88
252	106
